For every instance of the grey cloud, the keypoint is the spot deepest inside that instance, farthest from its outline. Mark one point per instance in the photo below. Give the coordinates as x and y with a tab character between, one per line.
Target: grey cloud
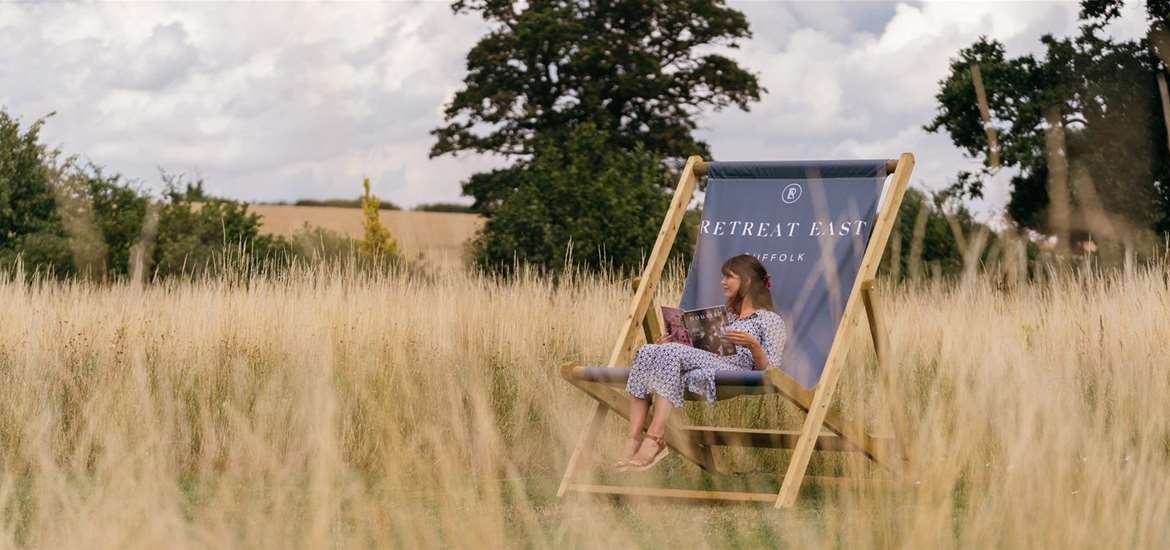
848	22
163	59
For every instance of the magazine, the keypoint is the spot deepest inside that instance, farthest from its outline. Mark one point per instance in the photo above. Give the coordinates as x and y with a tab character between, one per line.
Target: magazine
701	328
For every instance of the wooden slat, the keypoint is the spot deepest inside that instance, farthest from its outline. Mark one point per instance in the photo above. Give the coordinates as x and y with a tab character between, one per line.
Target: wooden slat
652	273
881	346
734	496
701	167
652	325
620	490
835	361
579	460
771	439
876	331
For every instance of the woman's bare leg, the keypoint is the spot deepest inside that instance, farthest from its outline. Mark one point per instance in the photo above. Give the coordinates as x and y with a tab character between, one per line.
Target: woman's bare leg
662	409
638	410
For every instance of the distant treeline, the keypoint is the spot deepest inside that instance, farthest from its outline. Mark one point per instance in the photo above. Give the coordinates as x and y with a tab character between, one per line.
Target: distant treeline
344	203
385	205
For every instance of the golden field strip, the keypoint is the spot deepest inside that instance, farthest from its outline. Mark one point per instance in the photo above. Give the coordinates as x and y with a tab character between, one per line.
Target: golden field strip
436	232
420	409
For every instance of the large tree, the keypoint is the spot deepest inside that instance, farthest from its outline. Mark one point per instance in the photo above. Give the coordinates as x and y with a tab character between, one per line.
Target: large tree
1081	126
30	227
592	100
638	71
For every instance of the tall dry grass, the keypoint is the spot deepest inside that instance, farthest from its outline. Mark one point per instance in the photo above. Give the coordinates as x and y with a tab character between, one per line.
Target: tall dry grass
330	408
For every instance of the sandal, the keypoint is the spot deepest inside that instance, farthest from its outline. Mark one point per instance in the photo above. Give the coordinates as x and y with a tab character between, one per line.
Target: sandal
636	465
623	464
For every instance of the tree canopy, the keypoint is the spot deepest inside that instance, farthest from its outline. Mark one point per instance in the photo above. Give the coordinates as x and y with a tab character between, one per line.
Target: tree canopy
631	68
591	100
1091	99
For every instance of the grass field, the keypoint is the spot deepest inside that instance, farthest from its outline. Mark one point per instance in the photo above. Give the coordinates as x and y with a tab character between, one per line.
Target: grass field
334	409
437	234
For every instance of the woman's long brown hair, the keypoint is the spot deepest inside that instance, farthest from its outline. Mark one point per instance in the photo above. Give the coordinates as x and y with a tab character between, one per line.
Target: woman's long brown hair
751	282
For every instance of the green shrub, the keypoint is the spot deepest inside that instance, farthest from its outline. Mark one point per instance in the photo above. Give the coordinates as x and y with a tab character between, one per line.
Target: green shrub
194	241
314	244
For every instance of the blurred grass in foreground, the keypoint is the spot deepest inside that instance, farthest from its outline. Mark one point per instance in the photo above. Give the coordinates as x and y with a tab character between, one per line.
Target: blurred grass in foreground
331	407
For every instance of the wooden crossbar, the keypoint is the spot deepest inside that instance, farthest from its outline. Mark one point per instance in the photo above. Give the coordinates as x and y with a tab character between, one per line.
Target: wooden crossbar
775	439
630	491
621	490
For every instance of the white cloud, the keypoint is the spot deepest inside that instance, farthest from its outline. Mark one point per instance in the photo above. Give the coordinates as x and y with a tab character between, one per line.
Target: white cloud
285	100
271	101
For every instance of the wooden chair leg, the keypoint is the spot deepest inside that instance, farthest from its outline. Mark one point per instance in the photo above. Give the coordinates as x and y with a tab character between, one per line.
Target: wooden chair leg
583	451
798	464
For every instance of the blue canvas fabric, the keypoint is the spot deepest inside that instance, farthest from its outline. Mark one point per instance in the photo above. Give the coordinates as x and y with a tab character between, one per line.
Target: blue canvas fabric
808	223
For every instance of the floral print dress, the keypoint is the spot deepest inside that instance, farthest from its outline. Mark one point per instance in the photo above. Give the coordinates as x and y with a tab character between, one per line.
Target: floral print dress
671	369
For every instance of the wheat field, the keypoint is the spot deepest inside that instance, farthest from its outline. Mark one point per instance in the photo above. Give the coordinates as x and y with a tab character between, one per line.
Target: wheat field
437	234
330	408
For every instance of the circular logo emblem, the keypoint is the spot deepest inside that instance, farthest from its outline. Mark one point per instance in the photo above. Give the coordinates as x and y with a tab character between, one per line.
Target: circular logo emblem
791	193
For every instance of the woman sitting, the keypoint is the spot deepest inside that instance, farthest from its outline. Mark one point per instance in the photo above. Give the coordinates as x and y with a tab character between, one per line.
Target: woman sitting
667	369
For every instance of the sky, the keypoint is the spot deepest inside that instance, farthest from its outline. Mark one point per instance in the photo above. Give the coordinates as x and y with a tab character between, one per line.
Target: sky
286	100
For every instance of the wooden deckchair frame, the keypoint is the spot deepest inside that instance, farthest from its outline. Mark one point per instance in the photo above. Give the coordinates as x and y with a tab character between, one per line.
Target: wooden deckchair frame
695	443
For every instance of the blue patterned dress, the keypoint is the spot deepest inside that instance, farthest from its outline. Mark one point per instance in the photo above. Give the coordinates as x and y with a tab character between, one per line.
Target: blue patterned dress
672	368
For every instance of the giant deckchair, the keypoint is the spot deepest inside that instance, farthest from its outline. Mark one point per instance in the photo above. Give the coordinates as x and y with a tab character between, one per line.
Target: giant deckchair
820	229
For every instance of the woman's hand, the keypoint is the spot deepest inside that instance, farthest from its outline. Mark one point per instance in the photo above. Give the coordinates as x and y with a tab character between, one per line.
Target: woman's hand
742	338
663	339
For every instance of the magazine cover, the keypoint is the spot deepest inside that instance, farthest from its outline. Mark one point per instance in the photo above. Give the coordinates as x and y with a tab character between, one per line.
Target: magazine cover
673	323
700	328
